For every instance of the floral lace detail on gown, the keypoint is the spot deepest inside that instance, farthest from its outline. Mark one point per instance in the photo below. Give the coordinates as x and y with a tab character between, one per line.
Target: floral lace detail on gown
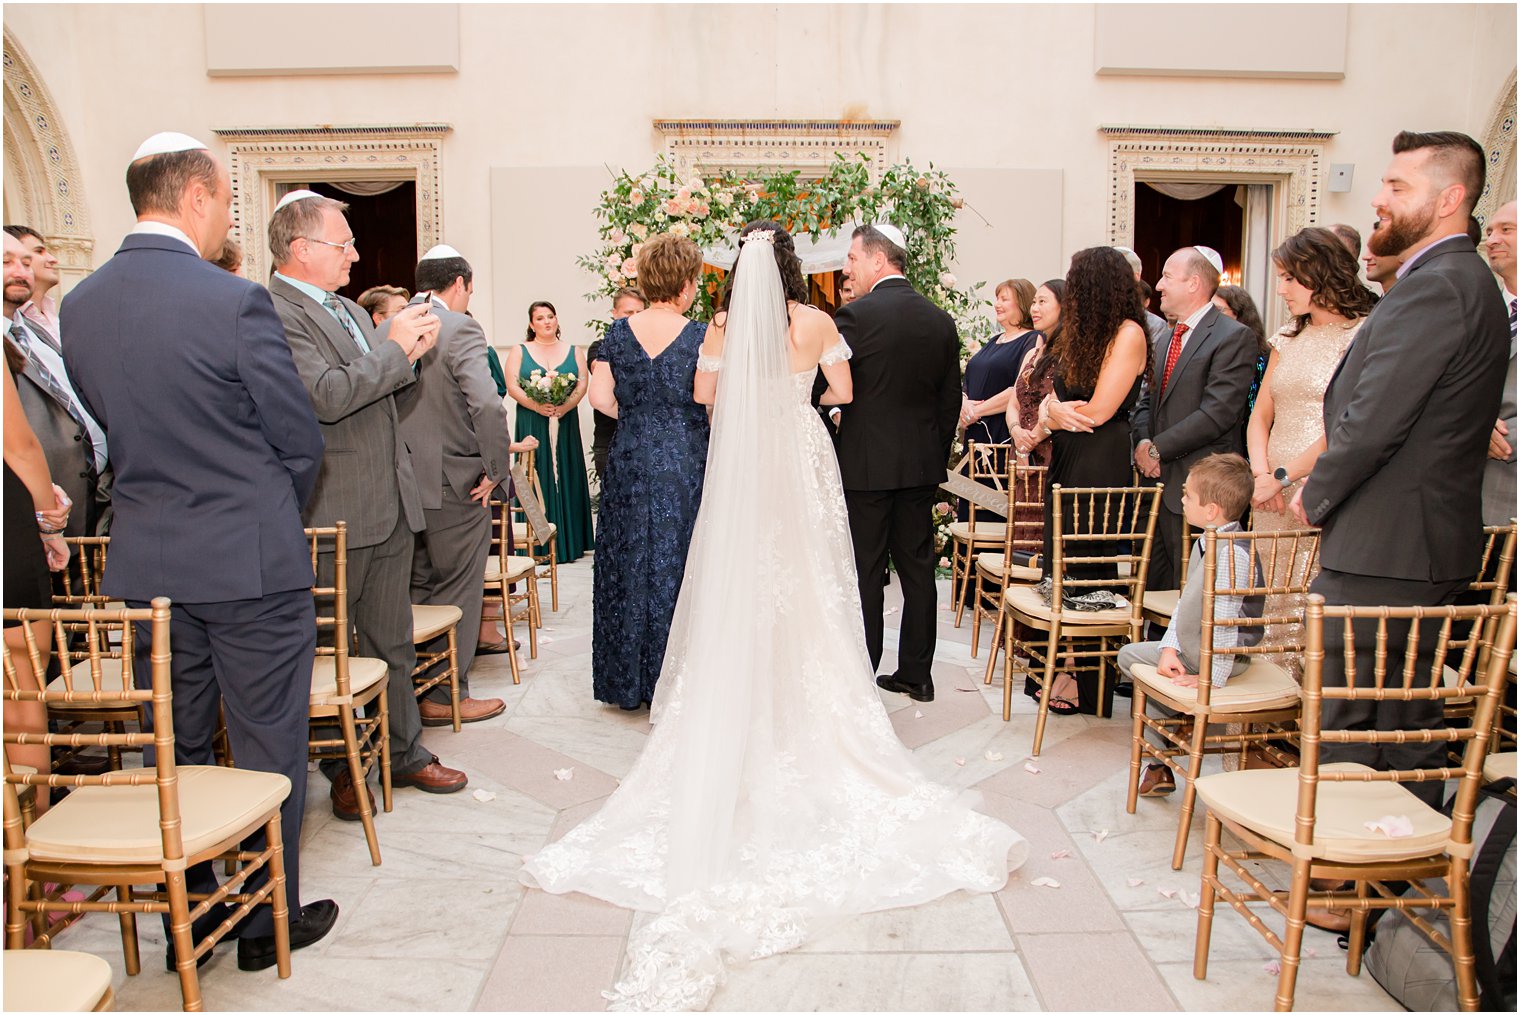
823	812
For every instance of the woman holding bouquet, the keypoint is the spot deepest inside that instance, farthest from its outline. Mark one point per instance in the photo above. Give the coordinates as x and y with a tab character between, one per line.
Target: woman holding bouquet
547	378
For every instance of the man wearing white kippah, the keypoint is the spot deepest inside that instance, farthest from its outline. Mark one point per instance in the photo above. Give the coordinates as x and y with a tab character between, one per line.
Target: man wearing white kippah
453	422
216	449
352	375
1194	403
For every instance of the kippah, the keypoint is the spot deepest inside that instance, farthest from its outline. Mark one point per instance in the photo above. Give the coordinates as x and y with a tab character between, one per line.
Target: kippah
892	233
294	196
441	252
165	142
1211	255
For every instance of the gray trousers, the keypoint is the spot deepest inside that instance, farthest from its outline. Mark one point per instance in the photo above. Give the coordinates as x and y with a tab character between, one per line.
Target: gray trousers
1342	589
1149	653
448	564
380	610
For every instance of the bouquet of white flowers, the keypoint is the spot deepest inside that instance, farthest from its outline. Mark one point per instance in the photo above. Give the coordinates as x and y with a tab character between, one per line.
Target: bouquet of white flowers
549	387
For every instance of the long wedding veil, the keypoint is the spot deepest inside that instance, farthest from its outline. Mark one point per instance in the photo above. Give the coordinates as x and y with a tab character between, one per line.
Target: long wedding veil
724	652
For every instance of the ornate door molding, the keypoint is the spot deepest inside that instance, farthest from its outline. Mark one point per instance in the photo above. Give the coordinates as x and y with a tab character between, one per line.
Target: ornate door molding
1499	145
43	184
261	157
1290	159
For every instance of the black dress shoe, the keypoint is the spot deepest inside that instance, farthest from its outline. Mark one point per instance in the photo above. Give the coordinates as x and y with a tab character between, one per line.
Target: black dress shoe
918	692
1124	690
316	919
173	967
198	931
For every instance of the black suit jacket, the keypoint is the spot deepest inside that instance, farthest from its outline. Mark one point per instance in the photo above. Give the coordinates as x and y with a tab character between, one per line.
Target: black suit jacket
905	364
1407	418
213	441
1202	411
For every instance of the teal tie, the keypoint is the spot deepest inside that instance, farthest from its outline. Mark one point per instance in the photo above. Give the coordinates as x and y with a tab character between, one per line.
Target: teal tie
342	315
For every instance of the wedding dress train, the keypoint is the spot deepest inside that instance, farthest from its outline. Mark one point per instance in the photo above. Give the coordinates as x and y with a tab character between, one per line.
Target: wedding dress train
773	796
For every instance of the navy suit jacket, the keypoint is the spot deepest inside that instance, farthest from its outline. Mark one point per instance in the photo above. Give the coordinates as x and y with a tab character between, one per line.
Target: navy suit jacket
214	442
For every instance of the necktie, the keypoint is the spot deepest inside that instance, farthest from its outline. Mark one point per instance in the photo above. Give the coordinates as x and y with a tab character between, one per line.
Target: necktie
60	393
1172	352
341	314
1511	323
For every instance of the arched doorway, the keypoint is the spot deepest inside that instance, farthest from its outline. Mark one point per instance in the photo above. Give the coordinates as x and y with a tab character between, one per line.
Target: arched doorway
43	185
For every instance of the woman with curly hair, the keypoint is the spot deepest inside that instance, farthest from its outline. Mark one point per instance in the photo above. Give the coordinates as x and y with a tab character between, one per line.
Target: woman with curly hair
1237	304
1317	278
1097	360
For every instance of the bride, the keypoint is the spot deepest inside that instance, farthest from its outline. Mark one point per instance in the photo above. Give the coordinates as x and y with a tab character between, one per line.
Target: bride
773	797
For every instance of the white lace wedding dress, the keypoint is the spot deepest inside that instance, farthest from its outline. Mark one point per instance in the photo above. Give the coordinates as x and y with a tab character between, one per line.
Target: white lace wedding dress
773	796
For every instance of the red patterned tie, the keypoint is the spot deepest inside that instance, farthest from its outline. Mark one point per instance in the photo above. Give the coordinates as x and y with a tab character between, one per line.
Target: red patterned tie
1173	351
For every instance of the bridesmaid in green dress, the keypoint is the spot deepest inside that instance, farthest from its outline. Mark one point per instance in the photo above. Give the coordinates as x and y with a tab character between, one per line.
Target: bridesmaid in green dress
562	474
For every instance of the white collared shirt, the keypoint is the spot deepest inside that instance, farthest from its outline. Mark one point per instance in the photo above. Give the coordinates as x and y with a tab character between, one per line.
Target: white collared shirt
53	363
43	312
1191	322
886	277
151	228
1409	261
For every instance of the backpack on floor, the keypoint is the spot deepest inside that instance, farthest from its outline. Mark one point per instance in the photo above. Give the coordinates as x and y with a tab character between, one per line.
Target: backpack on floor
1417	973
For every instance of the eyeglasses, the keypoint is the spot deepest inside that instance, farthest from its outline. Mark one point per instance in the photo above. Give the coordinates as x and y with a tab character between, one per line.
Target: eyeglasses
345	246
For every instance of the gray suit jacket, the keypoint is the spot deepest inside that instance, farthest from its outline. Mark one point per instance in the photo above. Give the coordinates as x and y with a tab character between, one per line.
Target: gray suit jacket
1407	419
1499	477
366	475
452	419
1202	411
69	453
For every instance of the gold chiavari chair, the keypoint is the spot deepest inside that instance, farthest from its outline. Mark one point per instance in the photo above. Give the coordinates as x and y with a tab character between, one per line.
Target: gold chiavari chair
78	584
988	464
1326	821
1257	705
1492	584
542	546
505	570
1090	526
1023	540
343	683
124	830
429	622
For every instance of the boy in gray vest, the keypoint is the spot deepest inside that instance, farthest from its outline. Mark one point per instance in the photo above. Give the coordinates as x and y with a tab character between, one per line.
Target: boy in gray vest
1217	492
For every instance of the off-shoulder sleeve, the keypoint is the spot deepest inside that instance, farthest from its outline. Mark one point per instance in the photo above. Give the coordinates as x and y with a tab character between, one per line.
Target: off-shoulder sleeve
709	364
838	354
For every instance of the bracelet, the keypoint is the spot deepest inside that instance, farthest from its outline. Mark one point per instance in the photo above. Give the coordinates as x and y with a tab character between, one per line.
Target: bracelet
50	536
50	532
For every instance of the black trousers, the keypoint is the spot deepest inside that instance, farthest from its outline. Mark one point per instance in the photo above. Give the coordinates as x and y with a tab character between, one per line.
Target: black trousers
254	658
1342	589
898	524
1166	552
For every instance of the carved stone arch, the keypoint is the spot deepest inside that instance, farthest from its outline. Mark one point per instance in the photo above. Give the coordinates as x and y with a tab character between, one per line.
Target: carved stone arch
1499	147
43	184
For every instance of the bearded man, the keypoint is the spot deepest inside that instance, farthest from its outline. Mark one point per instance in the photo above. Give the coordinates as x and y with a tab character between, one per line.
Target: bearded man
1408	416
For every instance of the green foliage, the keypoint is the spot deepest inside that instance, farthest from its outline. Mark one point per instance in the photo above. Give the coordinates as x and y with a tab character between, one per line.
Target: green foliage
709	211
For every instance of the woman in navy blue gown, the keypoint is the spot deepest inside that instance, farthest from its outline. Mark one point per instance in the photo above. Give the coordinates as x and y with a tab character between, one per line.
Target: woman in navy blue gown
655	467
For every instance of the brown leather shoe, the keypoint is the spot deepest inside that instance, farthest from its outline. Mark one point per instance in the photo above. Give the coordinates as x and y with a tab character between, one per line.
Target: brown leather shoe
1157	781
432	778
345	802
435	713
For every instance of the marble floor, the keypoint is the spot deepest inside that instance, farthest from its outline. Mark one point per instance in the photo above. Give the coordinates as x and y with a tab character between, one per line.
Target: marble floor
445	924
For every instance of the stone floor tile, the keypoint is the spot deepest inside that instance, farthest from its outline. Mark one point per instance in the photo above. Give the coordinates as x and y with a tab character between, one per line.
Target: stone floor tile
936	981
536	972
572	914
1246	985
1094	972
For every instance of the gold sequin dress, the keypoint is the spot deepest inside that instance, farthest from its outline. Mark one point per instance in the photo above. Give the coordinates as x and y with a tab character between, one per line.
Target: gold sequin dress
1305	364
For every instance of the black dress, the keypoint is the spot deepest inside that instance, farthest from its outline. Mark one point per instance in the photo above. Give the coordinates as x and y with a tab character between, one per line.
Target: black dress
28	584
650	497
994	369
1100	458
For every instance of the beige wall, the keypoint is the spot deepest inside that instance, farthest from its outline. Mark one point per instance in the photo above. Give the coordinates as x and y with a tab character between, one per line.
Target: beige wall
545	96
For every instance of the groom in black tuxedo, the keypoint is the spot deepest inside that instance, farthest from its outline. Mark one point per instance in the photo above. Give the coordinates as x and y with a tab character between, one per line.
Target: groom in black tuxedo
894	443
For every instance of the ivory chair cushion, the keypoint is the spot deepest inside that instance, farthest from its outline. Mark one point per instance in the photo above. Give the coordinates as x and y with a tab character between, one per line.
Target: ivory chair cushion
992	564
1495	766
50	980
517	568
1263	686
429	622
119	824
363	673
1028	602
84	682
1264	800
985	532
1163	603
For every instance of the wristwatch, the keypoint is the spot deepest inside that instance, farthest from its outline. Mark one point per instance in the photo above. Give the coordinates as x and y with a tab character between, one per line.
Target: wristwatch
1150	449
1281	475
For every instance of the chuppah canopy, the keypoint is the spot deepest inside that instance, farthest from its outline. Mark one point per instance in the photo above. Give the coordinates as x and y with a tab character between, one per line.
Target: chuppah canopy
820	253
